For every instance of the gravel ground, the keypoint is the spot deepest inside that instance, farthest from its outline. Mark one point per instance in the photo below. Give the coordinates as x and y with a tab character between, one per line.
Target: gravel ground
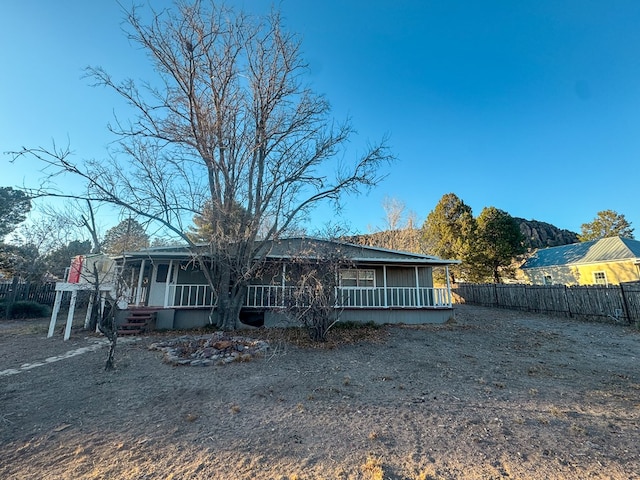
496	394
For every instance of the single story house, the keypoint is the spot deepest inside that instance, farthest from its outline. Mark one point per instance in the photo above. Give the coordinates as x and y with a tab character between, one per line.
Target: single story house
377	284
608	261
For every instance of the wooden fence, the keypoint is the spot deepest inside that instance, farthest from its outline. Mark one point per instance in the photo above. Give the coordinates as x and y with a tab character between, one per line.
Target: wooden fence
44	293
615	303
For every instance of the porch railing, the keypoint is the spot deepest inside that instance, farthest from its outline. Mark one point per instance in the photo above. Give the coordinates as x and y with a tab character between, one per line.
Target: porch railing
277	296
393	297
274	296
191	295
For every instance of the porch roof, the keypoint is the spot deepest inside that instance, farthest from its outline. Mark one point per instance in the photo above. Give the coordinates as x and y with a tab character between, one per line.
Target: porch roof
304	247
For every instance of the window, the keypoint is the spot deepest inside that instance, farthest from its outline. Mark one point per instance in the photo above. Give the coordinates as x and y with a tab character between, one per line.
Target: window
547	280
600	278
161	273
357	278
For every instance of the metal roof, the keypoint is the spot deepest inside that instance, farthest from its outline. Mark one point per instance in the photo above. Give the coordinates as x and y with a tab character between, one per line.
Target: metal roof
307	247
611	249
313	247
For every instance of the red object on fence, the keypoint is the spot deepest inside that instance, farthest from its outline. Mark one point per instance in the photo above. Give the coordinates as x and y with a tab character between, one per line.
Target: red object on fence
76	269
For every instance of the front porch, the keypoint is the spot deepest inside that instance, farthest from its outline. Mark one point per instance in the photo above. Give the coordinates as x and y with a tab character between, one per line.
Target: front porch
171	286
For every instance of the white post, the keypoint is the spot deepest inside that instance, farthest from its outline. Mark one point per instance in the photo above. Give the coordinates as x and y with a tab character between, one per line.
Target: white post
72	309
103	301
284	283
139	289
446	272
54	314
167	284
87	318
418	299
384	283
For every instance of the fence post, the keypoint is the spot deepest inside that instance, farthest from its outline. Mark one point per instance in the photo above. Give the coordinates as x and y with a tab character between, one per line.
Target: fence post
625	305
566	301
11	298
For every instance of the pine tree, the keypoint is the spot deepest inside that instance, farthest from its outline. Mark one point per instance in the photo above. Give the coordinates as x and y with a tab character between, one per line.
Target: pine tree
608	223
448	232
129	235
498	241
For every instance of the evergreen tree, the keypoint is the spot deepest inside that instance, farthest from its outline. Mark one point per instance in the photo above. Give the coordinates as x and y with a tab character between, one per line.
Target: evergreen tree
14	206
608	223
58	260
203	230
129	235
498	241
448	232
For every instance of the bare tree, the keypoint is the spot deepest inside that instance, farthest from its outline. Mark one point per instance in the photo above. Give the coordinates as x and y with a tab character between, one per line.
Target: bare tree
228	122
57	225
107	286
315	301
399	231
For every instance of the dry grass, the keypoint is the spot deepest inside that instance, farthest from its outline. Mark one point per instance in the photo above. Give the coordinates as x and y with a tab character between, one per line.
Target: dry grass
339	335
404	403
372	468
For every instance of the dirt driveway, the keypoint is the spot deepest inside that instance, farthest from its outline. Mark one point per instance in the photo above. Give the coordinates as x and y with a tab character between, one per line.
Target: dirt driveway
497	394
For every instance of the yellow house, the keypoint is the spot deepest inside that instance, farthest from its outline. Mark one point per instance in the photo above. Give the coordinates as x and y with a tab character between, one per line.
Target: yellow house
608	261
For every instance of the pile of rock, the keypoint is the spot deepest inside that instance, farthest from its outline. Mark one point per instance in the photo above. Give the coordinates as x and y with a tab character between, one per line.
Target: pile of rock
205	350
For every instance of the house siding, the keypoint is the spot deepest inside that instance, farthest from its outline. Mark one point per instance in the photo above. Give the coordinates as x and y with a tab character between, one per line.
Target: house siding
616	272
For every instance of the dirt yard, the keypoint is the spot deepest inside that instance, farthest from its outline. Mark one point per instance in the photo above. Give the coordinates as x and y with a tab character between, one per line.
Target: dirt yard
496	394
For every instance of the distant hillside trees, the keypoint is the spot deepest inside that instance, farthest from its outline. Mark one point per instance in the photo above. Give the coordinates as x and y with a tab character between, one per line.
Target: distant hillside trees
399	231
608	223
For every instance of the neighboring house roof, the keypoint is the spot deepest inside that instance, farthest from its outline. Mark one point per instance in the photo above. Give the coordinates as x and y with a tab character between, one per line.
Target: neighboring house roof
310	248
611	249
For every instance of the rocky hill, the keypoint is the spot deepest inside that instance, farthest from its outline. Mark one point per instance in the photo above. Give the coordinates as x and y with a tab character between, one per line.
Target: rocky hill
542	235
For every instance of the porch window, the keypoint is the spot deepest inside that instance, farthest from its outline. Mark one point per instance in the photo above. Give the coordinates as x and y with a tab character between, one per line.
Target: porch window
357	278
161	273
600	278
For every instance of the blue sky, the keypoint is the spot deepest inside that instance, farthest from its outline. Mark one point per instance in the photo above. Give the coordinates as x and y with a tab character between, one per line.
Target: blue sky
531	107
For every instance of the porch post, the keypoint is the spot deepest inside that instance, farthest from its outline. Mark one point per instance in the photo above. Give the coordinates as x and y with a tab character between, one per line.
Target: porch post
54	313
72	309
139	289
103	302
87	318
446	272
166	287
384	284
284	283
418	299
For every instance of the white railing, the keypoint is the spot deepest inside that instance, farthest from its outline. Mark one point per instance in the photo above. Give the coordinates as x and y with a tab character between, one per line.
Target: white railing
393	297
132	294
276	296
191	295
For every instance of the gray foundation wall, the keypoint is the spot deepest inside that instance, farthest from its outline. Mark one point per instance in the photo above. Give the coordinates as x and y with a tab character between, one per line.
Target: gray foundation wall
274	318
185	319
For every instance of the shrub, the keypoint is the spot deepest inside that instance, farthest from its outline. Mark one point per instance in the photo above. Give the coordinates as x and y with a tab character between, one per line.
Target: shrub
23	309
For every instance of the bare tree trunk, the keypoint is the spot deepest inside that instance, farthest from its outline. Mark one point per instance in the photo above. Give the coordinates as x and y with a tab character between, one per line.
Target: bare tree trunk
109	329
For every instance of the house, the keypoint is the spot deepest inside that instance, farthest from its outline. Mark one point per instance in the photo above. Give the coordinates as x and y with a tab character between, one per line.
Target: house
376	284
608	261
